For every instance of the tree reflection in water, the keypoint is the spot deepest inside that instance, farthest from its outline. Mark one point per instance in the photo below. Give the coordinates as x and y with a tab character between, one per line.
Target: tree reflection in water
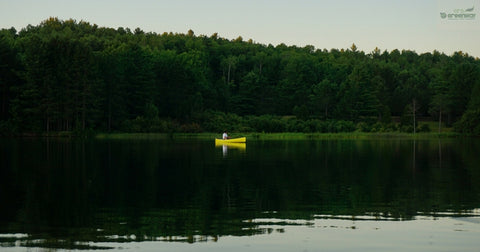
70	193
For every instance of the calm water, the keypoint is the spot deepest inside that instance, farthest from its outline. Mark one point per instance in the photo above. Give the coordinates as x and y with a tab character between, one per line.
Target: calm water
190	195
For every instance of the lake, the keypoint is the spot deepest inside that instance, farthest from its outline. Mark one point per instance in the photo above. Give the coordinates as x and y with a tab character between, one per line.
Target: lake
275	195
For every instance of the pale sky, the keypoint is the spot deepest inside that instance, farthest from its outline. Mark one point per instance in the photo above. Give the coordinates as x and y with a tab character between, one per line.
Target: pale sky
407	24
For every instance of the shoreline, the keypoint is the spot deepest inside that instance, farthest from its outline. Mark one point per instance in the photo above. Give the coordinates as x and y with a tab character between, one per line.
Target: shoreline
283	136
249	135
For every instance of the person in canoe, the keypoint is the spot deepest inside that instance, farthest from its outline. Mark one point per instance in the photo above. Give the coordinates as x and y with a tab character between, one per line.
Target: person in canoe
225	135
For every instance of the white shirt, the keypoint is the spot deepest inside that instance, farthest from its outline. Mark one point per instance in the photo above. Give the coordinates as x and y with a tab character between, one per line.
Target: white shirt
225	136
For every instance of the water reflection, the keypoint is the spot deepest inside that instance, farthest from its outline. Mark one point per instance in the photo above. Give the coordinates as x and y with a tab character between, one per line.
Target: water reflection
69	194
232	146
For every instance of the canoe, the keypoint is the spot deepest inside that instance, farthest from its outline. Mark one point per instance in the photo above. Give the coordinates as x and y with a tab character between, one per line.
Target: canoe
231	140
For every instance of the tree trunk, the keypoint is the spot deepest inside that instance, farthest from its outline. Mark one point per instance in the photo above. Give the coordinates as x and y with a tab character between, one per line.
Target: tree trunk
109	116
48	124
414	119
228	74
3	112
83	106
83	114
440	122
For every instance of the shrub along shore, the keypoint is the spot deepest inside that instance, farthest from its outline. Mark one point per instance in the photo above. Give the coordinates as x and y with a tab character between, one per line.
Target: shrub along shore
212	124
264	126
278	128
277	136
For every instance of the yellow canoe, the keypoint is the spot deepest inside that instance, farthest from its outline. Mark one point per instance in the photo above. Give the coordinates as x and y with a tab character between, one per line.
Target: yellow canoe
231	140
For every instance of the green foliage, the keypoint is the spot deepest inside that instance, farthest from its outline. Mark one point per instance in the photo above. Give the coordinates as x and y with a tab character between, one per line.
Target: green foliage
424	128
406	128
301	112
363	127
151	111
266	123
385	115
216	121
146	125
377	127
74	76
7	128
407	118
389	127
343	126
469	123
475	96
323	97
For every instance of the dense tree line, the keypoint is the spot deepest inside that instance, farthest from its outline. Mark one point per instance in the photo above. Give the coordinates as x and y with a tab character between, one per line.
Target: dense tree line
69	75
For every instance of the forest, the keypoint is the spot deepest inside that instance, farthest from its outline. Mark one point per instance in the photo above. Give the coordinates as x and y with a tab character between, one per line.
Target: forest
75	76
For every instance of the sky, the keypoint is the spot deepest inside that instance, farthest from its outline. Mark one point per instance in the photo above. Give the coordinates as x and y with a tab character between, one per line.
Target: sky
407	24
